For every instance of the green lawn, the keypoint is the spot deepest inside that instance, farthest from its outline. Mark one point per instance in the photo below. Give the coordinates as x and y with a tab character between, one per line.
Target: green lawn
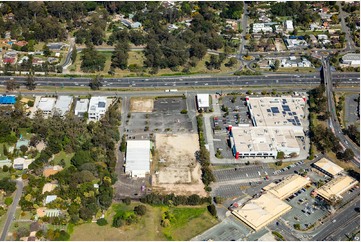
296	69
193	220
62	155
24	132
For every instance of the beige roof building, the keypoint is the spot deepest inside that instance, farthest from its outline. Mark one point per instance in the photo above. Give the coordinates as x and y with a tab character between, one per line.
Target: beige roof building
288	185
336	187
48	187
327	167
259	212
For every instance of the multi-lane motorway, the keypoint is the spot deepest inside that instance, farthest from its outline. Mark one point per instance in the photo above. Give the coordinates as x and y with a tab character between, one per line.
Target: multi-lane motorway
191	81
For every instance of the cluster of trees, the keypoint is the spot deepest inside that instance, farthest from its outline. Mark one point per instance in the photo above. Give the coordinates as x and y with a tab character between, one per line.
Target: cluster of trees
353	133
303	15
128	217
203	157
93	162
171	199
7	185
92	60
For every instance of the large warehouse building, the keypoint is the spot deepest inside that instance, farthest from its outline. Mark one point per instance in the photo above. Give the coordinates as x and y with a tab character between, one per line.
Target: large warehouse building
277	122
138	158
336	187
259	212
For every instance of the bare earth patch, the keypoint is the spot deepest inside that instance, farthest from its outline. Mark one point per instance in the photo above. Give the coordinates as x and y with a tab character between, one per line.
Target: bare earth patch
178	171
144	105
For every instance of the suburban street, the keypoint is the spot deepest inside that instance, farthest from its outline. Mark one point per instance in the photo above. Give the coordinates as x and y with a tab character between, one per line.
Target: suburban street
350	45
12	209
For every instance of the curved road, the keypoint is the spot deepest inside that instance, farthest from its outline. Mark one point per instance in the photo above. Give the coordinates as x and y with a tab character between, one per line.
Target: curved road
12	209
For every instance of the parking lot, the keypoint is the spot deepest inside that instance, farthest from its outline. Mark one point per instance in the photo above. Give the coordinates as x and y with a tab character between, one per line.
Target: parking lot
166	117
306	210
229	191
242	173
351	114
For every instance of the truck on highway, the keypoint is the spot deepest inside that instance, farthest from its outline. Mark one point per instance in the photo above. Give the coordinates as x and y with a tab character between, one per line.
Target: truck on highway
171	90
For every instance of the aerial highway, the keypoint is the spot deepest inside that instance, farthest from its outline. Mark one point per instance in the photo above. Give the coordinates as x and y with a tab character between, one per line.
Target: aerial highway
333	121
189	81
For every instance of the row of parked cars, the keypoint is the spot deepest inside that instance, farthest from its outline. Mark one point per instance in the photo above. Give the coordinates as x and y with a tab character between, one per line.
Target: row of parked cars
288	167
295	194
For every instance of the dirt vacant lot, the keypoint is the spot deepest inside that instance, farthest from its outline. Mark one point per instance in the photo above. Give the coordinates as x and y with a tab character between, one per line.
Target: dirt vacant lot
141	105
177	169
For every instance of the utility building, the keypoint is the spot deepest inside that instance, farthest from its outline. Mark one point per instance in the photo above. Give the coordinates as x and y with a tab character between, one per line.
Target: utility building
138	158
202	101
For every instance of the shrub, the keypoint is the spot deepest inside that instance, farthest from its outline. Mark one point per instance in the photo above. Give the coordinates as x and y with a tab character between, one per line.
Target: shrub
184	111
8	201
102	222
140	210
117	222
127	200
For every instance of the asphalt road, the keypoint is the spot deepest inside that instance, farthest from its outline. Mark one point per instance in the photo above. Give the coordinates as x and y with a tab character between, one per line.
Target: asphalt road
337	223
11	212
333	121
350	45
189	81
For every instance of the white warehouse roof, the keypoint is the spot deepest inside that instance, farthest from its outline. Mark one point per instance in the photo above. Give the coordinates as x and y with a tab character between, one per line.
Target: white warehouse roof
138	158
203	100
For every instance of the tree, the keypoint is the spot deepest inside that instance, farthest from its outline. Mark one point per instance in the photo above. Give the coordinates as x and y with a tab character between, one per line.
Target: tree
346	155
24	149
5	150
8	201
276	65
102	222
117	221
74	54
140	210
212	210
22	232
96	82
232	61
280	155
120	55
92	60
30	82
11	85
5	168
81	157
46	50
127	200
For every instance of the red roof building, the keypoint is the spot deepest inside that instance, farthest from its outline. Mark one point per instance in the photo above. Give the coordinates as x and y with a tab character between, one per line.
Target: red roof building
9	60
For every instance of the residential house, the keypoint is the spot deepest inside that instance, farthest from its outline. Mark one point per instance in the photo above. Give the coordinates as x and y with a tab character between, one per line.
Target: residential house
288	26
259	27
313	39
50	198
51	170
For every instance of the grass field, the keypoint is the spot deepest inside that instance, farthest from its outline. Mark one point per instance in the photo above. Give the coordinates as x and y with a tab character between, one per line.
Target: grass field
344	165
284	164
62	155
188	222
296	69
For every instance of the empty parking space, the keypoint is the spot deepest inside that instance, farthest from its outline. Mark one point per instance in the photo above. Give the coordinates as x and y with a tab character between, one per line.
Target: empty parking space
241	173
228	191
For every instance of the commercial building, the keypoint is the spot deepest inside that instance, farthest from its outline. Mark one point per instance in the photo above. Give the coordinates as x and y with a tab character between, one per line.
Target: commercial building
277	124
327	167
97	108
7	100
63	105
202	101
260	211
259	27
276	111
46	105
351	59
138	158
264	141
333	190
81	107
287	186
289	25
